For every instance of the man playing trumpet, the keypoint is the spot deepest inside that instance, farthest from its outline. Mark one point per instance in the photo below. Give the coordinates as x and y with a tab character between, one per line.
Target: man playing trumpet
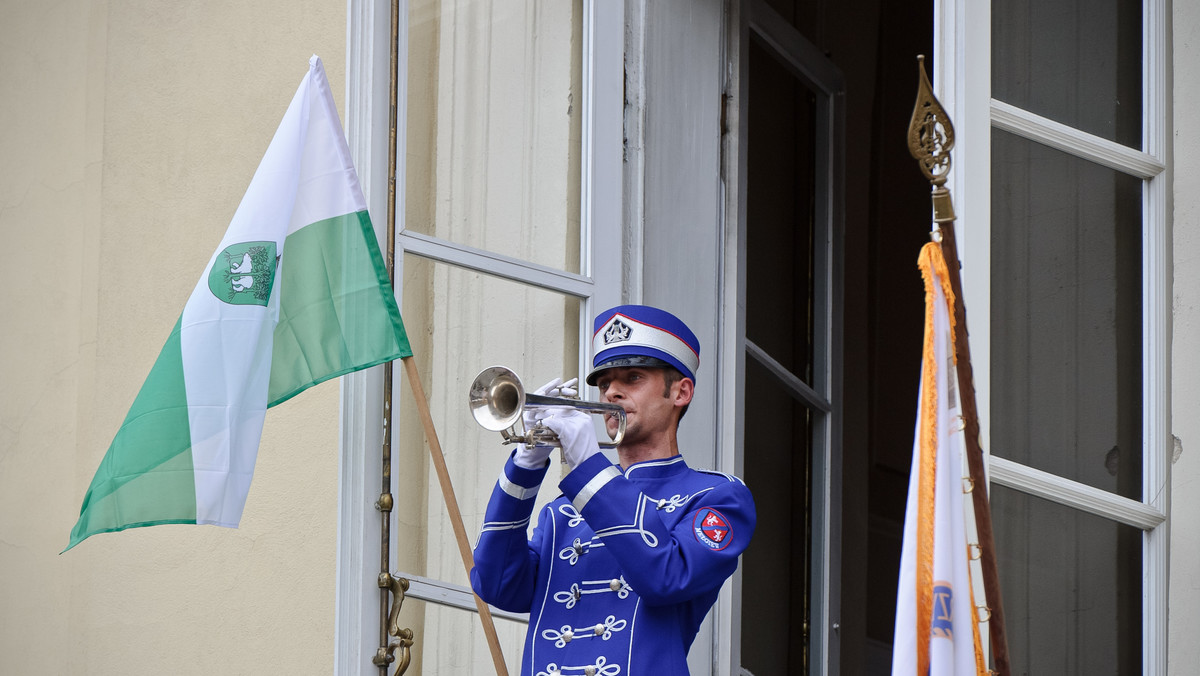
624	565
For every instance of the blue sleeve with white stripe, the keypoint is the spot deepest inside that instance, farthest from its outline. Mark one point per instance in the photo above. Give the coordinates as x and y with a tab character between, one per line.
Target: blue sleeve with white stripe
663	565
506	561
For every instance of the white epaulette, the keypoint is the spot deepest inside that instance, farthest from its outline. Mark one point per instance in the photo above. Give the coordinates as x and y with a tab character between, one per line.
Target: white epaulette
731	478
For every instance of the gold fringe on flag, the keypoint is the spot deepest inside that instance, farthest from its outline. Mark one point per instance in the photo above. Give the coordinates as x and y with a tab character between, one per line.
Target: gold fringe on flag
933	270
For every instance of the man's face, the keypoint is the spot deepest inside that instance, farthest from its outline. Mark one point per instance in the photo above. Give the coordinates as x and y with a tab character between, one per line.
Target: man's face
648	402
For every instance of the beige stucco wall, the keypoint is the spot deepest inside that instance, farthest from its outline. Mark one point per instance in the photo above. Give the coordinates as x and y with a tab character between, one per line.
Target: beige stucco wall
129	131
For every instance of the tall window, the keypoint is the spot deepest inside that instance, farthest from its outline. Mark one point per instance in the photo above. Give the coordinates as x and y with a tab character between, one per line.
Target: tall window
1076	311
505	184
793	129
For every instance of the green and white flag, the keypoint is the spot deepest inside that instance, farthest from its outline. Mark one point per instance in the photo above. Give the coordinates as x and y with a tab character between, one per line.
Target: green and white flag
296	293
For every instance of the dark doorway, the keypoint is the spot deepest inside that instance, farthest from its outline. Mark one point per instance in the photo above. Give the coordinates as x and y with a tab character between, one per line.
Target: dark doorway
789	403
833	330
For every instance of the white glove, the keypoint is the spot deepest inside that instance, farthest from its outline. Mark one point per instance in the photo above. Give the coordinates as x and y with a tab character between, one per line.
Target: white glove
532	458
554	388
576	433
536	457
566	389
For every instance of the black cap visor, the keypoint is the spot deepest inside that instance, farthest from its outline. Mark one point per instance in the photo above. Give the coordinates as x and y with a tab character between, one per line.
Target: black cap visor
634	360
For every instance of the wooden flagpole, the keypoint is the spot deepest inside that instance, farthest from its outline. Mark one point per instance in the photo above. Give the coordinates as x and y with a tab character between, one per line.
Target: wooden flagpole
389	585
930	138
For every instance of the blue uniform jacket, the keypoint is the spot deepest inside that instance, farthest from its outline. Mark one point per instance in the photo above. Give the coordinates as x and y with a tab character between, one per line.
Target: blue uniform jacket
622	567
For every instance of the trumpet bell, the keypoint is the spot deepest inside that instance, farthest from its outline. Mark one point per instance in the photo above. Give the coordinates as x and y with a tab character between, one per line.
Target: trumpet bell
497	398
498	402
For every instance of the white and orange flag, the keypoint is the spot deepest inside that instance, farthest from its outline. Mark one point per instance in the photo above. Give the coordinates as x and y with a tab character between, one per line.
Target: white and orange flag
937	629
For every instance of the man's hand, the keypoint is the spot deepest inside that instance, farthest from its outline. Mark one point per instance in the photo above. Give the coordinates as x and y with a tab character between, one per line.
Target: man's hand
566	389
576	433
536	457
554	388
532	458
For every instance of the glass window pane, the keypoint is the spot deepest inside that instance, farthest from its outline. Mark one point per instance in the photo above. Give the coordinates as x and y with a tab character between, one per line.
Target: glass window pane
1078	62
1066	306
449	641
459	323
777	569
1072	586
806	17
493	127
780	214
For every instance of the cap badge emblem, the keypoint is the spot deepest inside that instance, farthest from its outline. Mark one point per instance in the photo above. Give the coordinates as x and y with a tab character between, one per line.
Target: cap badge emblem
617	332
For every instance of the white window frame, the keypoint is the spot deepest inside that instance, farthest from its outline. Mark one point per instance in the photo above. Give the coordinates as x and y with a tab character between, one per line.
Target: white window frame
598	284
962	77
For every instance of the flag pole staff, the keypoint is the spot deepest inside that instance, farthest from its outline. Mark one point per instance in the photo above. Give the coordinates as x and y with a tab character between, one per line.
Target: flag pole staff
395	587
389	586
930	138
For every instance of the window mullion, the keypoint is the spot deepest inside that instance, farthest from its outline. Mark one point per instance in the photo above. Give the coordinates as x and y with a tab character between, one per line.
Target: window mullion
1074	494
494	264
1156	304
1074	141
451	595
1156	392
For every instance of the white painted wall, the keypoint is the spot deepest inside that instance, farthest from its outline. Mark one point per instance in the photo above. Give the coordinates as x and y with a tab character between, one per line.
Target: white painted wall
677	183
1184	616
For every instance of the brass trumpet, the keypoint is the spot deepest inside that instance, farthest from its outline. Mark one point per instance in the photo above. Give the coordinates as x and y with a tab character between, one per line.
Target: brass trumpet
498	400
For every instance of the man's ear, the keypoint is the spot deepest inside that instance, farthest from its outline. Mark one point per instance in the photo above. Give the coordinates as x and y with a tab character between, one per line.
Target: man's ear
687	388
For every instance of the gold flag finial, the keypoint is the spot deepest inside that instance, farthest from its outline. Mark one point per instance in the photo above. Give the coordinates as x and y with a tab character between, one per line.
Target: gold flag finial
930	133
930	138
